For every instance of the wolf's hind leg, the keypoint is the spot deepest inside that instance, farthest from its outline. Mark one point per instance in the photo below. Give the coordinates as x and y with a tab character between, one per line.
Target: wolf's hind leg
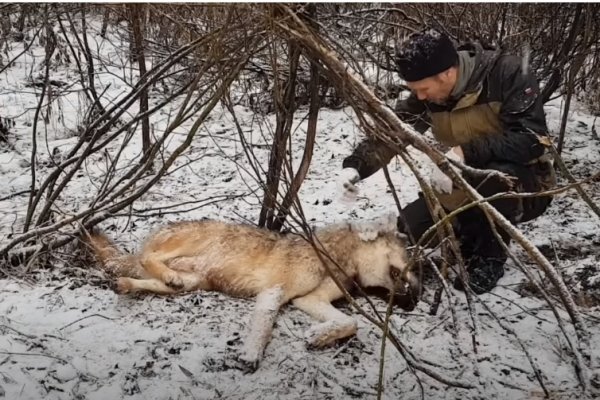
130	285
335	324
260	327
154	265
156	255
190	282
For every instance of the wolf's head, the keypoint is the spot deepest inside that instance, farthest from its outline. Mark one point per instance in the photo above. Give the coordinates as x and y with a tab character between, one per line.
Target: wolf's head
383	262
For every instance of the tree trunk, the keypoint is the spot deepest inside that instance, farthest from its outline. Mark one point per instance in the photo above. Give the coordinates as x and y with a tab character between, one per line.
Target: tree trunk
285	113
136	15
311	133
576	65
21	21
105	19
555	79
91	72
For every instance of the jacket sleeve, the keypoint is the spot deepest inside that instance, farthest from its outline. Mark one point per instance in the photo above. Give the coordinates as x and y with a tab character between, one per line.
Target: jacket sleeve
521	116
371	154
413	111
368	157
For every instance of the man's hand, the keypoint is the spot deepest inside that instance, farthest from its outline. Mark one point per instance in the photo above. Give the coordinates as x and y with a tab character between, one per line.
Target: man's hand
346	183
440	181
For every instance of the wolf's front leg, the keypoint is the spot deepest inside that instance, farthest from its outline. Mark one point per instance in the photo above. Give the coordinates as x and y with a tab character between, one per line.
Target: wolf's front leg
260	327
336	325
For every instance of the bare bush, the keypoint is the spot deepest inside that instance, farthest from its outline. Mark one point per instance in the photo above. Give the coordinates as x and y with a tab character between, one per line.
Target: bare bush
277	59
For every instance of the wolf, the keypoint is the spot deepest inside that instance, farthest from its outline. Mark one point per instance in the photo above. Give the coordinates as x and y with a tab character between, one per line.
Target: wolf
245	261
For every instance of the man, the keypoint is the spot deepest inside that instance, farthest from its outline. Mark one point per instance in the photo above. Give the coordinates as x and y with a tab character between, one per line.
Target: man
488	109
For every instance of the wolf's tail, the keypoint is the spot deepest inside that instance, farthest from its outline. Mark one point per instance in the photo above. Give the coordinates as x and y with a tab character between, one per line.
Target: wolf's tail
111	259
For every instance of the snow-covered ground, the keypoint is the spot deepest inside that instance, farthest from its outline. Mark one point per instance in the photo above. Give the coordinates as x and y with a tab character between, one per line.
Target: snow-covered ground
66	335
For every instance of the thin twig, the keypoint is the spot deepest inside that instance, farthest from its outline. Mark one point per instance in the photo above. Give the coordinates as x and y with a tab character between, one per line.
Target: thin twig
565	171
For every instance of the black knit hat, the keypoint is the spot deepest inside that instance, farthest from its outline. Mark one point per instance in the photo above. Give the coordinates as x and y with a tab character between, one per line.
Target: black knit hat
425	54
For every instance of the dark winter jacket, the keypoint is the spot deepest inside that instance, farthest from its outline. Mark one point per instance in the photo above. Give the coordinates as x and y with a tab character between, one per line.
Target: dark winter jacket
497	115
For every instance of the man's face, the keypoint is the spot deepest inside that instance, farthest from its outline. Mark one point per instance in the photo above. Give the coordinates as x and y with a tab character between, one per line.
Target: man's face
435	89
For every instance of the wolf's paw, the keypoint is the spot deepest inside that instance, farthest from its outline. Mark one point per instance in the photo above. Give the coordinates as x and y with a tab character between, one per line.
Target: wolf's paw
172	279
327	333
123	285
318	338
246	363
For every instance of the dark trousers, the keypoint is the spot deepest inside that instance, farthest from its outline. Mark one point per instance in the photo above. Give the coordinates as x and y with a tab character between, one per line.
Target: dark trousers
471	226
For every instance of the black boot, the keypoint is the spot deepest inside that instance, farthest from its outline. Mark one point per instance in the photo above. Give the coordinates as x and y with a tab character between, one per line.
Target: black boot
484	274
483	254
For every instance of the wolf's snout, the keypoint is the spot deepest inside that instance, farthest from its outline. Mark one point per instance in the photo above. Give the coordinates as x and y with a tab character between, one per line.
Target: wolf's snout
408	292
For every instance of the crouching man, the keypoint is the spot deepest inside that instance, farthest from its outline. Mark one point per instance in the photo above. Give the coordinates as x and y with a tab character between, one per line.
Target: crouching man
488	110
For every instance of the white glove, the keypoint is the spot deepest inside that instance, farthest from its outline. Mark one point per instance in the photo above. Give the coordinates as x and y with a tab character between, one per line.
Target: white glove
347	180
440	182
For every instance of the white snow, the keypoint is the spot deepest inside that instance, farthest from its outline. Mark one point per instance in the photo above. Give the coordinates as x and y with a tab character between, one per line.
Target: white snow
61	339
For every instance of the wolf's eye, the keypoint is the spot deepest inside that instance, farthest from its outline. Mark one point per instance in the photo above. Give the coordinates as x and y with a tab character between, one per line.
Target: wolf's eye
395	273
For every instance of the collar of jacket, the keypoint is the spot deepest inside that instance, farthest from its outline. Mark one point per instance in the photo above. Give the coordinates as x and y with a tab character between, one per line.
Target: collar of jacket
466	65
474	63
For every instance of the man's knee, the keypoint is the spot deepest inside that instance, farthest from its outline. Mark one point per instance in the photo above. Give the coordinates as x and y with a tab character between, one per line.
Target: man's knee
415	219
528	180
524	180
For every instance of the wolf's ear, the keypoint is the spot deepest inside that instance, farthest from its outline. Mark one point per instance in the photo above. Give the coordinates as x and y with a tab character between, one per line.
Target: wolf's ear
388	223
367	232
372	229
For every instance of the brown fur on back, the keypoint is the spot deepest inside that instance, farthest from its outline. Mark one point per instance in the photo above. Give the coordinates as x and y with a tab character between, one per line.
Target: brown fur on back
242	260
